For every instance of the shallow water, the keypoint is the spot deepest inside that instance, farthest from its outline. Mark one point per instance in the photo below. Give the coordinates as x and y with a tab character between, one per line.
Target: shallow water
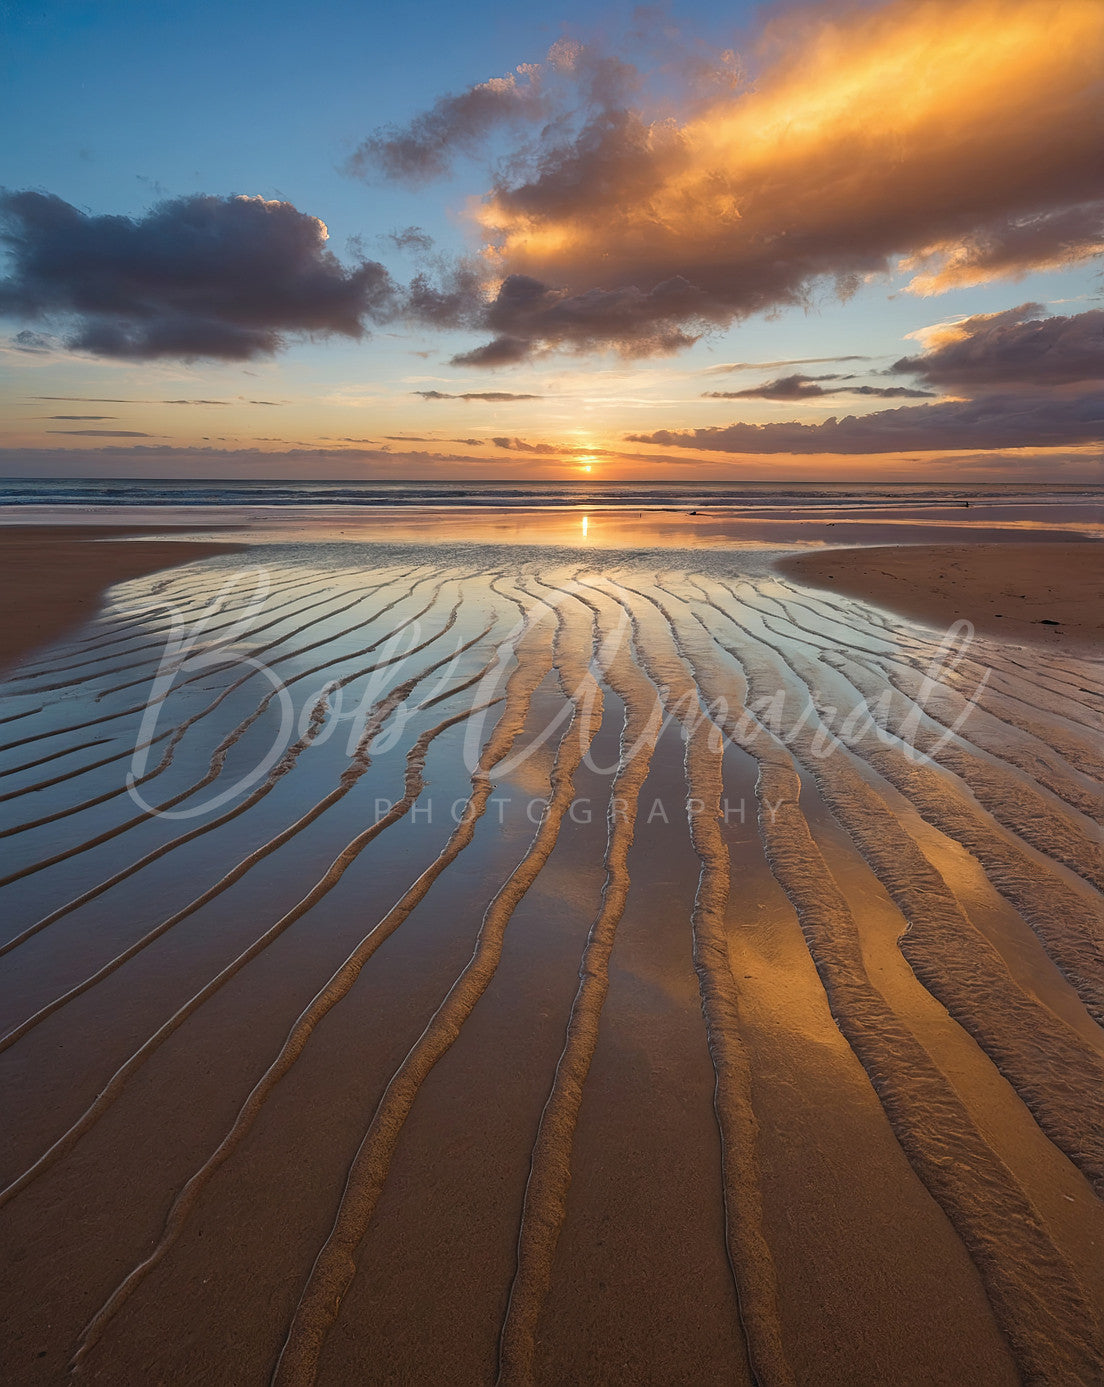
450	962
589	515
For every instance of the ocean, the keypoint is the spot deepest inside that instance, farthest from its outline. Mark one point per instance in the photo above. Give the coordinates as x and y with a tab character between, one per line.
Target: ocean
744	496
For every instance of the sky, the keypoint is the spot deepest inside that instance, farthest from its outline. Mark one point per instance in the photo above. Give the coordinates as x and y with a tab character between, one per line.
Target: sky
686	241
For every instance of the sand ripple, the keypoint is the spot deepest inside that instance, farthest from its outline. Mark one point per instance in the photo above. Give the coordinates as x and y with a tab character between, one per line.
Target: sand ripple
346	904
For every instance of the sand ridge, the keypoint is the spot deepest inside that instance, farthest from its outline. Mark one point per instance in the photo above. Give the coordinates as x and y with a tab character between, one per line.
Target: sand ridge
289	1002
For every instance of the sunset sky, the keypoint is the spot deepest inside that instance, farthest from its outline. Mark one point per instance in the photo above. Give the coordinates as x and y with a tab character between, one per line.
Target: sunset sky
439	241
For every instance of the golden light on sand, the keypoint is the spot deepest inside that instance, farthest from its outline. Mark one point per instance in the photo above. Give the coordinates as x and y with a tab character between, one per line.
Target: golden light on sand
739	690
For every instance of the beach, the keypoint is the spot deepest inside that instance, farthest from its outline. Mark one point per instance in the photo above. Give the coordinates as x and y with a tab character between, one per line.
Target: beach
552	695
57	574
486	961
1050	595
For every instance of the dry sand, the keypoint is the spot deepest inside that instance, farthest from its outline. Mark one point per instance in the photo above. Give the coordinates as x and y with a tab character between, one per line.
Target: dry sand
305	1089
53	576
1049	594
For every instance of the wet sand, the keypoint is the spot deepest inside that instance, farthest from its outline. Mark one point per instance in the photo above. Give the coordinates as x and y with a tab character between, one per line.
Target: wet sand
604	526
1047	594
512	1022
55	575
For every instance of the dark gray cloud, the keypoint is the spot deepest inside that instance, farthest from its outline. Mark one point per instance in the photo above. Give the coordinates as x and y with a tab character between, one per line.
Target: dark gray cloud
455	299
411	238
491	396
783	388
1010	247
1020	346
575	83
28	341
885	392
526	313
195	277
455	124
500	351
103	433
991	422
808	388
81	418
1023	371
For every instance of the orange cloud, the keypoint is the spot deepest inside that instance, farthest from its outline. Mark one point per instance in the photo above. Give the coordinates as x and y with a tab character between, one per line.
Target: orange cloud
1008	250
962	135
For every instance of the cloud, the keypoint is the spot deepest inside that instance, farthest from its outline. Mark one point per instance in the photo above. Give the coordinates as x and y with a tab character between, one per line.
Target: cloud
994	421
28	341
806	388
1009	249
105	400
563	450
783	388
574	76
640	323
453	299
519	445
491	396
961	135
501	351
198	276
1017	347
881	392
411	238
424	149
1033	379
103	433
81	418
733	366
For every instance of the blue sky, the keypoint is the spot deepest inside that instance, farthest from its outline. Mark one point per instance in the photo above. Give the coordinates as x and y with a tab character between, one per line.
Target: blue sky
118	107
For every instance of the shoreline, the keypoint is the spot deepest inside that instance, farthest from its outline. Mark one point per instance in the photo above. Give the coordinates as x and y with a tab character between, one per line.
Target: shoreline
61	573
1050	595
